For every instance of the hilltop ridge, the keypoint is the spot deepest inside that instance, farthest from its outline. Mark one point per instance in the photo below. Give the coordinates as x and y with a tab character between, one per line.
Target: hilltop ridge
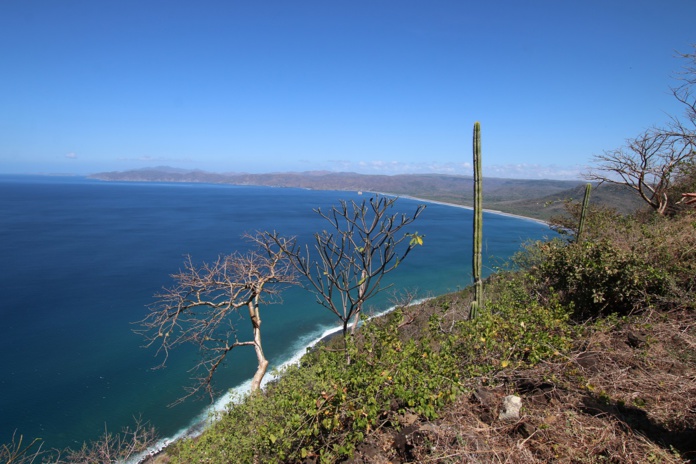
536	198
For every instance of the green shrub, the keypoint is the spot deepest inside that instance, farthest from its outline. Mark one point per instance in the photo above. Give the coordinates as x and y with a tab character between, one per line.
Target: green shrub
629	262
595	277
323	408
514	331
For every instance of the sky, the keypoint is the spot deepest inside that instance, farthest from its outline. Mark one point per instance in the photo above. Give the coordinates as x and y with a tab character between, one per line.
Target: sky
368	86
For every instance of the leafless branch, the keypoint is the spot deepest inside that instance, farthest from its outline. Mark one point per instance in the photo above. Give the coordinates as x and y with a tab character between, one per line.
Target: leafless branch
118	447
17	452
684	94
648	164
653	161
689	199
347	263
199	308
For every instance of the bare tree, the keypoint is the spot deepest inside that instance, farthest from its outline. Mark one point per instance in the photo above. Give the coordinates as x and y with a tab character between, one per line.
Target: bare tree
684	93
199	308
653	161
17	452
649	164
689	199
114	447
364	243
110	447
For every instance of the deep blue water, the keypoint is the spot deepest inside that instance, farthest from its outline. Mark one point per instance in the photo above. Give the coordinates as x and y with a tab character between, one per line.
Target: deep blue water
81	260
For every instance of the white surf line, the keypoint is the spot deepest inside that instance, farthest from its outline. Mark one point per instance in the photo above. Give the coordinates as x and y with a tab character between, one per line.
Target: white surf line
213	413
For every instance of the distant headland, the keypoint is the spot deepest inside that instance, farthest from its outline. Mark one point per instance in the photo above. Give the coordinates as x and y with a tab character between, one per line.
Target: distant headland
537	198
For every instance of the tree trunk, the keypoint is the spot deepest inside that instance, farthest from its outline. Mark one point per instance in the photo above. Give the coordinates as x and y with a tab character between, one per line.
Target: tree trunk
345	341
356	319
361	294
262	361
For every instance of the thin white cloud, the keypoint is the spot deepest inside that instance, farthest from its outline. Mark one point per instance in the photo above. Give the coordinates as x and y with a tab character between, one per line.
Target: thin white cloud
155	159
71	155
535	171
397	167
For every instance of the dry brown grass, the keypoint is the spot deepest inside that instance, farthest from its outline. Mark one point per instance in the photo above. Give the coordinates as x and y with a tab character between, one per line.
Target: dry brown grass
626	394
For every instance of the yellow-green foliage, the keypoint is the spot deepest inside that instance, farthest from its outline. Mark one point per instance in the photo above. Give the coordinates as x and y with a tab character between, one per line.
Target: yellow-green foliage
624	263
324	407
515	330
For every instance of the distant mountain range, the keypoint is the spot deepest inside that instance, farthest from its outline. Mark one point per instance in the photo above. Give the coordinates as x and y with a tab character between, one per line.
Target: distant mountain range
539	199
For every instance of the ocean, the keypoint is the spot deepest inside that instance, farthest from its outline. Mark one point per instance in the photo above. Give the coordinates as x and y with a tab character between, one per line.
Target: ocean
81	260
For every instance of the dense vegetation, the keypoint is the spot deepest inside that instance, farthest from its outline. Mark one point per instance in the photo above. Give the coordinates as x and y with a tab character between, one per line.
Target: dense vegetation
413	366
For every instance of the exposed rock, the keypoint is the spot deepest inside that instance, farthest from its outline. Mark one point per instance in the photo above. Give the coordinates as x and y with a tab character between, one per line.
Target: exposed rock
407	419
511	408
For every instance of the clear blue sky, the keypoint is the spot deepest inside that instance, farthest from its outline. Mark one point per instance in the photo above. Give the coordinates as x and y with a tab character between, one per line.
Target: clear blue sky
378	86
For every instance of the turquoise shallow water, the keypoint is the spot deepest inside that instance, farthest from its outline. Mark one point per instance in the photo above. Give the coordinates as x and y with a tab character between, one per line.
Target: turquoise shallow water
81	260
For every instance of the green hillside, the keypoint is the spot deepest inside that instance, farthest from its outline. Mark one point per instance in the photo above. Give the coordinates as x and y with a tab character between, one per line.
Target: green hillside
596	339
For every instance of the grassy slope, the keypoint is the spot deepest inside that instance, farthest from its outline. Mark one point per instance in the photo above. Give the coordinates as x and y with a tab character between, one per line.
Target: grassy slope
624	391
425	385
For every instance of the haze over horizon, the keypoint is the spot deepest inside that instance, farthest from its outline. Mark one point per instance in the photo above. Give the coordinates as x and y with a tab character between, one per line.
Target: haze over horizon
369	87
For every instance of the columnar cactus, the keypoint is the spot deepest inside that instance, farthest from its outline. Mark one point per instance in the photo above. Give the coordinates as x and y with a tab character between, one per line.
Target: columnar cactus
478	224
583	212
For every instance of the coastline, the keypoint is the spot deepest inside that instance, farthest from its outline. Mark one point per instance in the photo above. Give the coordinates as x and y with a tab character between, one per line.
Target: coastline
212	413
456	205
105	205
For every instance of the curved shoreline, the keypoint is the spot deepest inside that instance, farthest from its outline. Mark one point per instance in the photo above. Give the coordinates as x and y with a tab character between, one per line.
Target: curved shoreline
456	205
212	413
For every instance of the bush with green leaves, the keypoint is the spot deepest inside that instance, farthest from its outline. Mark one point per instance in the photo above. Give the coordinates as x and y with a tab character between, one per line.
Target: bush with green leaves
627	263
637	261
515	331
323	408
595	277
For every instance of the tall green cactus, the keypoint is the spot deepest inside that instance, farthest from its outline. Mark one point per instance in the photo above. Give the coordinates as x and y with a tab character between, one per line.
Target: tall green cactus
478	224
583	212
